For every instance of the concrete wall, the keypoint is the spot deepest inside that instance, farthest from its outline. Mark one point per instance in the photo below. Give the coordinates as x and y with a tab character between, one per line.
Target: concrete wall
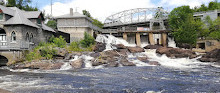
209	44
73	22
76	33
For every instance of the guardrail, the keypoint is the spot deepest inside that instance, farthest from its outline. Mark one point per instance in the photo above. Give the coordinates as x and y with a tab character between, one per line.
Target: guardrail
21	45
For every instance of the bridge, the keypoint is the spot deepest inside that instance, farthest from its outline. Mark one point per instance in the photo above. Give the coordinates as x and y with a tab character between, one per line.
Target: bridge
147	25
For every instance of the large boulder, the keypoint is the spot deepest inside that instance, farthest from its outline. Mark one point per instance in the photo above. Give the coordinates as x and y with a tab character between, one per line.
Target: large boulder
77	63
135	49
125	62
120	46
99	47
155	63
99	62
72	55
122	51
55	66
176	52
95	55
152	47
212	56
143	59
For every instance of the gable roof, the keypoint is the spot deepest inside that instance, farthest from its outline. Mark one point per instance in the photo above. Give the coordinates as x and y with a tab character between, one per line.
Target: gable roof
45	27
19	18
32	14
75	15
7	10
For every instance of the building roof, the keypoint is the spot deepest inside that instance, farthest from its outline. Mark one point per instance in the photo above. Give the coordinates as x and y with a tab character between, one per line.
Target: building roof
7	10
20	17
45	27
75	15
32	14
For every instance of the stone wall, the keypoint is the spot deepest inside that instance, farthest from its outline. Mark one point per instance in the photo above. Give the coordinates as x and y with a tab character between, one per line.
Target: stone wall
12	56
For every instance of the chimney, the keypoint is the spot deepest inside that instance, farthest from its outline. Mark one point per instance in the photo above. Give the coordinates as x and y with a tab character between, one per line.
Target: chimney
71	11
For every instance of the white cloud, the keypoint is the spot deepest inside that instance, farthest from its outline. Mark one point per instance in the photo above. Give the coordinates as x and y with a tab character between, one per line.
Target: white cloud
98	8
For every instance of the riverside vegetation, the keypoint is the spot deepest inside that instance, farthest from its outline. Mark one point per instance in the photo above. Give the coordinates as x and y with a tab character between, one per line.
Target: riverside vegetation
48	50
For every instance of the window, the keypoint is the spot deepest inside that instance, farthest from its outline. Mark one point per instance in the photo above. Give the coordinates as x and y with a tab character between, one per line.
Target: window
1	15
218	14
13	36
27	37
39	20
31	38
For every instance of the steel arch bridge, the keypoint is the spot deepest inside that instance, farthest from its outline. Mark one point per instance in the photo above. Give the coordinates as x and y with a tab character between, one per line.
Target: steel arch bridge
138	15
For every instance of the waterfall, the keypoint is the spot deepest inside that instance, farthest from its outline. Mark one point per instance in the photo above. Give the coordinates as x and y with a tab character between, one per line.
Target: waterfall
171	42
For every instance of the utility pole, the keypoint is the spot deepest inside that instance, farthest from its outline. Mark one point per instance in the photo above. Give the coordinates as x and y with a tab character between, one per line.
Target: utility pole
51	8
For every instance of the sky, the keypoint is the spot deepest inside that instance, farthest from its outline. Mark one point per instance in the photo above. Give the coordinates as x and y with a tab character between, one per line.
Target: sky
100	9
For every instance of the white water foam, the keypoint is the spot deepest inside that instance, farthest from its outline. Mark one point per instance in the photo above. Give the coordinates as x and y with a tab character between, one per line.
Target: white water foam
111	40
171	42
181	63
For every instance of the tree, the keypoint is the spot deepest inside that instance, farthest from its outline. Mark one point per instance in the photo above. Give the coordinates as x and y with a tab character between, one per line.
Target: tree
52	24
185	28
95	21
22	4
87	13
213	27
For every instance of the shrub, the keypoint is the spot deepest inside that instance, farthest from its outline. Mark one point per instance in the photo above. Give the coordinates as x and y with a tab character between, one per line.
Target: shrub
87	41
33	55
59	42
75	46
48	51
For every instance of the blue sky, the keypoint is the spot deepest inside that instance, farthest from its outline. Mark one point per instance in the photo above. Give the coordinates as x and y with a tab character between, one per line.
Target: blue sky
101	9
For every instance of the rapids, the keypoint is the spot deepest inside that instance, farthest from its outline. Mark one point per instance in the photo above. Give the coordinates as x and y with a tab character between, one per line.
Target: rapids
174	75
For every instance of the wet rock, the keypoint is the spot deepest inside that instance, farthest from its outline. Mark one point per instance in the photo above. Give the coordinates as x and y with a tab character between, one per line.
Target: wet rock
135	49
99	62
77	63
183	45
109	53
212	56
154	63
122	51
120	46
112	64
176	52
72	55
99	47
55	66
143	59
125	62
152	47
61	51
95	55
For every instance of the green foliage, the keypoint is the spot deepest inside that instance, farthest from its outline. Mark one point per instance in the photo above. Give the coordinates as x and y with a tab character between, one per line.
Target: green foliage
185	28
75	46
187	32
214	28
178	16
213	5
85	12
22	4
52	24
33	55
48	50
95	22
59	42
87	41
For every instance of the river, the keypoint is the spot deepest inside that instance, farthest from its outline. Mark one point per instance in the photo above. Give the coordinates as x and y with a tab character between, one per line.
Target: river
173	76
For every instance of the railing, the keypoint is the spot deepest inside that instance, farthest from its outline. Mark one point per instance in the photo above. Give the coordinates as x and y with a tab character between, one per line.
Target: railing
18	45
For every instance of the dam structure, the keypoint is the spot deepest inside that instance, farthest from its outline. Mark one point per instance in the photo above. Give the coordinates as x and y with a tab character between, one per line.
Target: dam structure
139	26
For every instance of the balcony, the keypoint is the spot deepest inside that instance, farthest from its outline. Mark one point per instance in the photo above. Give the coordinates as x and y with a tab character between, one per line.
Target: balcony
18	45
